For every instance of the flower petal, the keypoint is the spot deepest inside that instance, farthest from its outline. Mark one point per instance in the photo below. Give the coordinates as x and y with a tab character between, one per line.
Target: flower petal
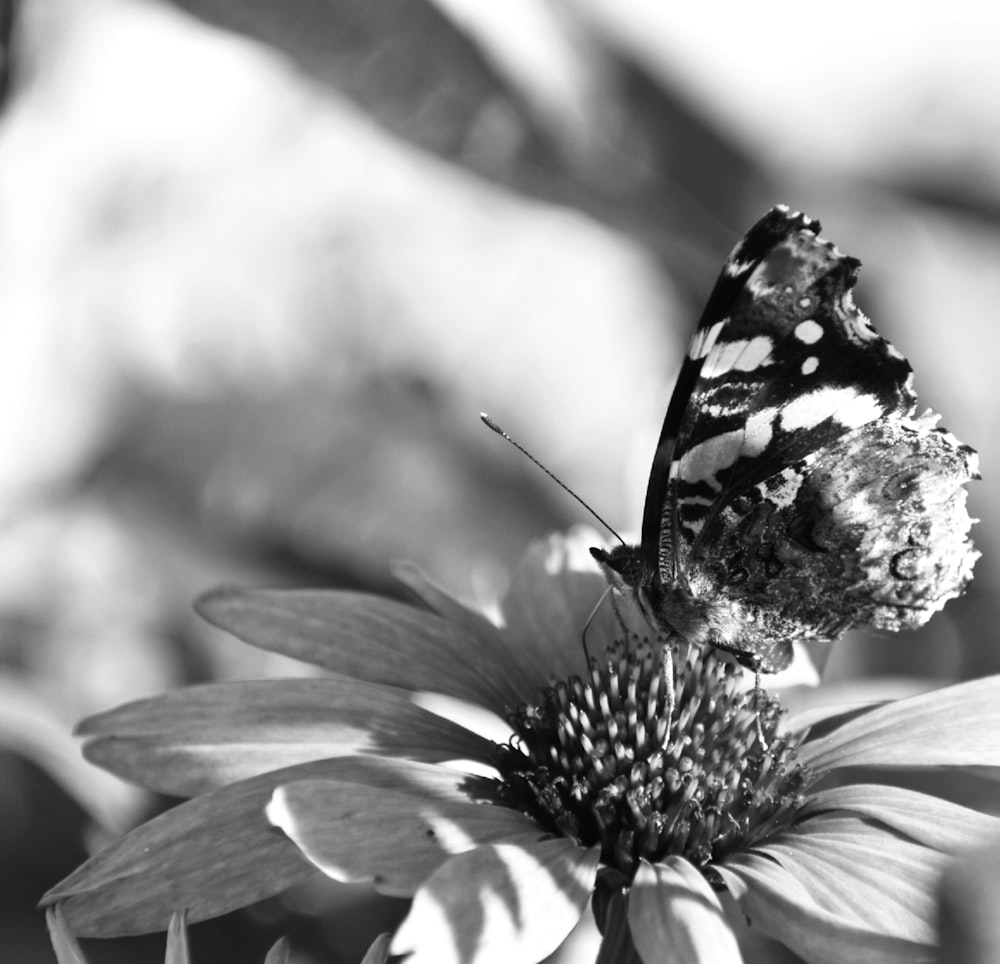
378	953
489	638
675	915
64	943
197	739
217	852
500	903
783	907
864	873
825	718
280	952
355	833
446	606
552	593
177	940
936	823
954	726
366	637
616	945
835	703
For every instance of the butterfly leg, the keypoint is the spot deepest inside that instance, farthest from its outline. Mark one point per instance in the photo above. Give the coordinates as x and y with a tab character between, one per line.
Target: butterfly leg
590	619
755	663
758	698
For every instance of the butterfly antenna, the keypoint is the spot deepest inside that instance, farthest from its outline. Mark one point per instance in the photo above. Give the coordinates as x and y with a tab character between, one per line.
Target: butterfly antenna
489	423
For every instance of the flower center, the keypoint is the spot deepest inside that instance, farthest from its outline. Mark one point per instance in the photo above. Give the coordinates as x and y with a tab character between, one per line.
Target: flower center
603	760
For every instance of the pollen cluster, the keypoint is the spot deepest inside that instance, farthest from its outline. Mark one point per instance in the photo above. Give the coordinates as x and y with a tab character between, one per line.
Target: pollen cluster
657	752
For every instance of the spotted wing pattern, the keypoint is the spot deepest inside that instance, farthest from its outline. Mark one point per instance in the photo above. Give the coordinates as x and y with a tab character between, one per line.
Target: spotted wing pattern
794	493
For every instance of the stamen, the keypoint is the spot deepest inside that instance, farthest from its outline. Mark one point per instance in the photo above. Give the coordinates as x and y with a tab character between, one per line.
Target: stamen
658	751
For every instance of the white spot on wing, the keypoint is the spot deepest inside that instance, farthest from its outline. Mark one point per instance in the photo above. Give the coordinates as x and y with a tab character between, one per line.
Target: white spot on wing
740	356
783	493
704	461
759	432
844	404
810	365
860	411
704	341
808	331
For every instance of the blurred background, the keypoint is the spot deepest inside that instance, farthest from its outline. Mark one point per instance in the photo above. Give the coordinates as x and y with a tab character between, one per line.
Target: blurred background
262	263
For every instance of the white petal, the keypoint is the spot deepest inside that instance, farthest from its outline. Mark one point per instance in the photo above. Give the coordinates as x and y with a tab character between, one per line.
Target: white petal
954	726
64	944
216	853
370	638
356	833
177	940
499	904
674	915
378	953
547	606
937	823
863	873
280	952
784	908
197	739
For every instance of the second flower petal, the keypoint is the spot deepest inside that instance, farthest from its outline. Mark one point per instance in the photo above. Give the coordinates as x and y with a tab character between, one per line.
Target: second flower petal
492	905
353	832
194	740
783	907
674	915
366	637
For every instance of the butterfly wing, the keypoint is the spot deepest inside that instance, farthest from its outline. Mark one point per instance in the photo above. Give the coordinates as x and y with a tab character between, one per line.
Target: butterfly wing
771	229
782	364
868	530
793	493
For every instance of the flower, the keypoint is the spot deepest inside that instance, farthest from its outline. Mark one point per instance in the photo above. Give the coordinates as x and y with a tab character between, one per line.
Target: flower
646	788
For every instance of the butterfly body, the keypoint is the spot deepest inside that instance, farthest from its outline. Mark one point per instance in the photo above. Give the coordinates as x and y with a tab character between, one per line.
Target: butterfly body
794	491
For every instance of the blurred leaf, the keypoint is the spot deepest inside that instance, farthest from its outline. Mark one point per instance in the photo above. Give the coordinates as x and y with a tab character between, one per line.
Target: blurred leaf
31	724
402	61
955	192
619	145
340	480
8	34
365	453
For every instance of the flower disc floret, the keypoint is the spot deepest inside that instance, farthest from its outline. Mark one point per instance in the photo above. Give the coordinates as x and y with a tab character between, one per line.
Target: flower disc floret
651	756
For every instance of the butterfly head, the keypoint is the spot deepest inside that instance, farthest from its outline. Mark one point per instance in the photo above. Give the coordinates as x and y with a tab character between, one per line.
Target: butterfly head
624	568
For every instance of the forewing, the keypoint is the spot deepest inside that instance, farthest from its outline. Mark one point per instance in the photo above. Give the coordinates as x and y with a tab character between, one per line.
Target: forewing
792	366
777	225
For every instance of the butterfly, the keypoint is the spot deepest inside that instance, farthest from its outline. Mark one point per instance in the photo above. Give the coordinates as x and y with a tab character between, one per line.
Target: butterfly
795	492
